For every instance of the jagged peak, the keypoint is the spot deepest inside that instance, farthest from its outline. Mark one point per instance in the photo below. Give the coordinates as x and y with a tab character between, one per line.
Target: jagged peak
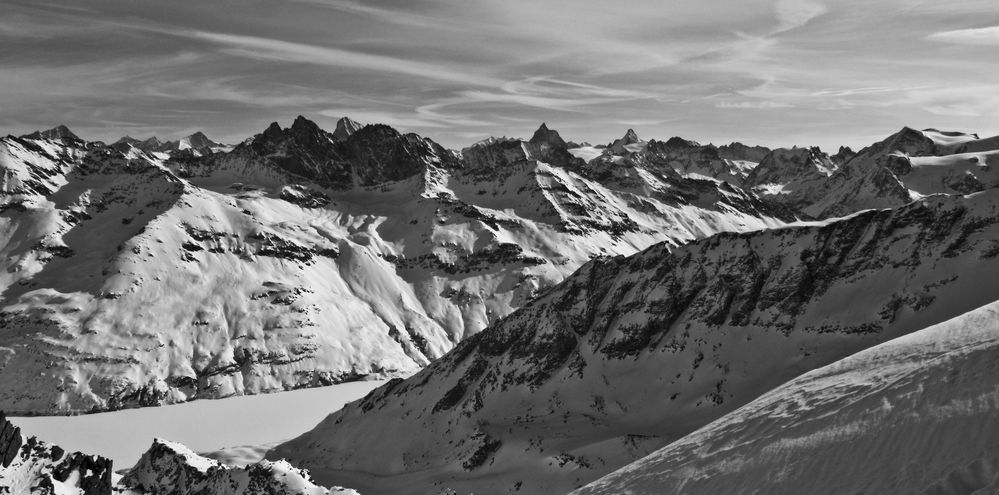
57	133
273	131
302	123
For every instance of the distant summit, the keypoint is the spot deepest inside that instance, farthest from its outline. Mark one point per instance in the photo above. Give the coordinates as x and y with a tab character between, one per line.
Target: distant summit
546	136
59	133
620	146
345	127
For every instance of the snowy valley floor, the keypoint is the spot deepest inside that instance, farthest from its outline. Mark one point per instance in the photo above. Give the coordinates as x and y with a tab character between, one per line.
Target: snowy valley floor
236	429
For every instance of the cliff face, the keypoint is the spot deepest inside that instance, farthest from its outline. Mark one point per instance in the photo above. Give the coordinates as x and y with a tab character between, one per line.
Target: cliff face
629	354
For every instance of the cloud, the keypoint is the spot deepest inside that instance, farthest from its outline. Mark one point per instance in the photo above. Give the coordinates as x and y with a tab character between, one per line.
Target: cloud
976	36
394	16
792	14
759	105
272	49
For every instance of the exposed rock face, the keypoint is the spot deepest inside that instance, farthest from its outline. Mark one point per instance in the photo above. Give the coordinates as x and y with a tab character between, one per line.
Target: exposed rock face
629	354
547	137
368	156
843	155
28	465
172	468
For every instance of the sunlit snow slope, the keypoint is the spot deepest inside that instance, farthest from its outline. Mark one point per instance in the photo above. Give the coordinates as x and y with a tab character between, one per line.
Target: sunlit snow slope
913	415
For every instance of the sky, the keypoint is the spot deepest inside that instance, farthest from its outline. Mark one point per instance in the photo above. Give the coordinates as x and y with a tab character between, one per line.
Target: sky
769	72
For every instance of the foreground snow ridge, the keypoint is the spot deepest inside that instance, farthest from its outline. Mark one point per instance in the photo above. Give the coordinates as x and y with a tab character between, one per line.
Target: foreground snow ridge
169	467
913	415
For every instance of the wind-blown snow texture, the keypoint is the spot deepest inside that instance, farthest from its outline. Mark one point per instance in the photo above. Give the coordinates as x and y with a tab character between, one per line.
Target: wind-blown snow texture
300	257
914	415
629	354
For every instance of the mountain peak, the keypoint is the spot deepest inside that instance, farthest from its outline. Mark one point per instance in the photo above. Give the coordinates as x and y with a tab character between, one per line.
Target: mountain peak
345	127
544	135
273	131
199	140
302	123
58	133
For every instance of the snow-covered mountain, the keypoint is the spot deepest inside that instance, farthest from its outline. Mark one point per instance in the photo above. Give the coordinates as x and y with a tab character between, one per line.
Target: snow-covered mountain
631	353
913	415
172	468
197	144
300	257
906	166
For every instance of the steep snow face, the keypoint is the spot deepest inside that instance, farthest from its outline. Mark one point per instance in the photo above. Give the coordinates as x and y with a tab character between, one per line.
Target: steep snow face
913	415
630	354
28	465
298	260
169	467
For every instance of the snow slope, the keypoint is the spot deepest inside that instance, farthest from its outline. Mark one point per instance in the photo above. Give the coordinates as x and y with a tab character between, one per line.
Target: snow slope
300	258
630	354
913	415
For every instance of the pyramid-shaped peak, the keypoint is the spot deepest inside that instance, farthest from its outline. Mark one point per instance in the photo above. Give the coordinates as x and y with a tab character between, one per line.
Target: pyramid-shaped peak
199	140
630	137
345	127
544	135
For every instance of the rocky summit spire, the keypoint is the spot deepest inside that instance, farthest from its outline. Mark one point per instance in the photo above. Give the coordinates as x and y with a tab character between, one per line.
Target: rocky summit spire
546	136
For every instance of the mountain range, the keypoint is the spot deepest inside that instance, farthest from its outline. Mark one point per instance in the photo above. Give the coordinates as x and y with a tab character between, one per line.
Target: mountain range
551	311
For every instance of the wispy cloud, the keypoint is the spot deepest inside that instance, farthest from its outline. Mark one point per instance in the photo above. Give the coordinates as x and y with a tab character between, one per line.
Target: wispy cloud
393	16
278	50
757	105
792	14
975	36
